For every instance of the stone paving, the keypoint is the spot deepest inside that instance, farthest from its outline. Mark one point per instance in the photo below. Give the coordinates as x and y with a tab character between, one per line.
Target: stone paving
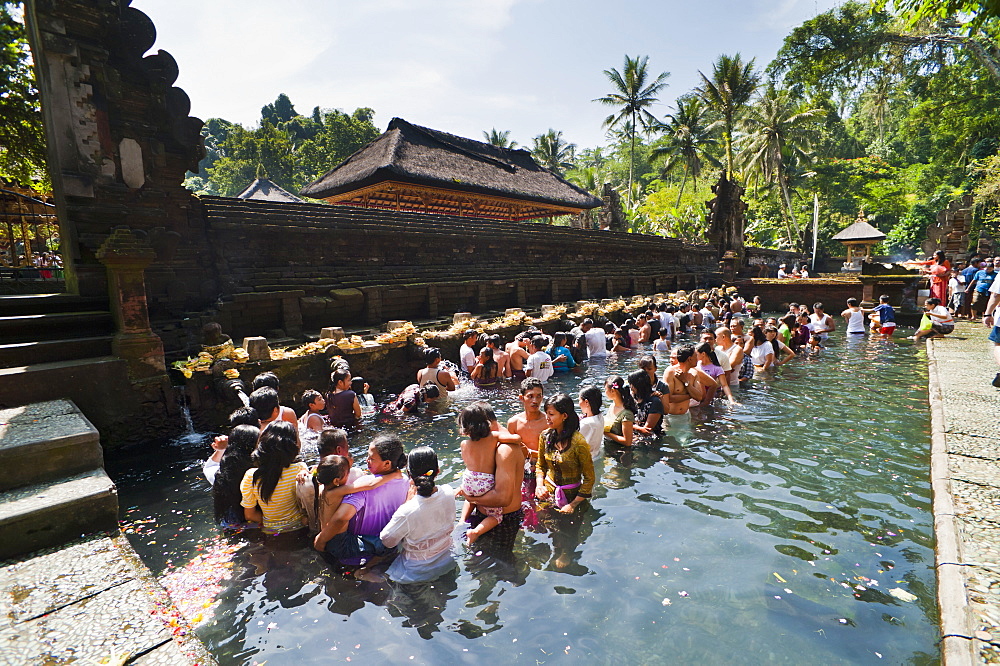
965	471
94	602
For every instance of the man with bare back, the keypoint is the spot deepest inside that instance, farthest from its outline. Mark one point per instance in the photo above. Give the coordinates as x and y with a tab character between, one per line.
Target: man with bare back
518	355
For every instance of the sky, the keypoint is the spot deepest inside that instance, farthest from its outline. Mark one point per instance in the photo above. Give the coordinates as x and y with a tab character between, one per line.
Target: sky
460	66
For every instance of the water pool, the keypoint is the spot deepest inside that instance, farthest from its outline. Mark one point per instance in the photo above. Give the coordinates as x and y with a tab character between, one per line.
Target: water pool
795	527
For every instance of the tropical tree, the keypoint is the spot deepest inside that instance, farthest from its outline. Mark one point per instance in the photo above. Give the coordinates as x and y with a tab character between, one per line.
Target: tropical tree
552	152
500	139
22	135
728	91
778	131
632	96
690	139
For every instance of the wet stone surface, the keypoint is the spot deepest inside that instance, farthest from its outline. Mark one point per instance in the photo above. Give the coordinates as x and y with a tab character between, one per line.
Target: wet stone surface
60	577
85	602
970	402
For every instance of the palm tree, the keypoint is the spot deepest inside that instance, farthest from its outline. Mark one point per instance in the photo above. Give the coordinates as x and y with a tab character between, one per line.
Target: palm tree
690	138
552	152
777	135
729	90
499	139
632	97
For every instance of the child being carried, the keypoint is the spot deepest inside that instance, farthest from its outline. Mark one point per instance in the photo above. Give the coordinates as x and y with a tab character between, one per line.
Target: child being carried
478	422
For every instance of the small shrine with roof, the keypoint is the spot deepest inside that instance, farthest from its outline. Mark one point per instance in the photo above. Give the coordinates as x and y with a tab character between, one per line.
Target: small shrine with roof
418	169
858	239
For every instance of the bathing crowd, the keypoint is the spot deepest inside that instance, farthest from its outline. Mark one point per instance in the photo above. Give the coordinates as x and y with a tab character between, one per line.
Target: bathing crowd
537	468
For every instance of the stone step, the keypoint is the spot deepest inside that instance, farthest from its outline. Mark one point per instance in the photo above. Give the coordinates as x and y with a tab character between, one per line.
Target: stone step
55	512
27	304
44	441
98	386
18	354
54	326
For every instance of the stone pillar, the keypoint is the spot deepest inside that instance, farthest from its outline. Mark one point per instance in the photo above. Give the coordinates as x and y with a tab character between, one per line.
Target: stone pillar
432	300
126	258
728	264
554	290
479	294
522	298
868	292
584	292
609	288
373	305
291	315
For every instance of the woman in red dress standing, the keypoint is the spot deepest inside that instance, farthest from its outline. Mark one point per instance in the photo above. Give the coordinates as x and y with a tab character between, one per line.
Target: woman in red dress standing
938	269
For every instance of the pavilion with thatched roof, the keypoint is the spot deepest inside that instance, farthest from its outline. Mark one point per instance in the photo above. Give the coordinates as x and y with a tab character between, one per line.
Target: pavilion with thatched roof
859	239
262	189
417	169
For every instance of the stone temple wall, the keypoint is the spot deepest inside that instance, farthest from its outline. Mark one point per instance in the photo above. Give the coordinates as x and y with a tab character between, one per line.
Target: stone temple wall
290	267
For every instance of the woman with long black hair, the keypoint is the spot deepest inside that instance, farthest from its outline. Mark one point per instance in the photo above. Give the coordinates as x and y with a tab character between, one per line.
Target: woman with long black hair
565	469
269	489
236	460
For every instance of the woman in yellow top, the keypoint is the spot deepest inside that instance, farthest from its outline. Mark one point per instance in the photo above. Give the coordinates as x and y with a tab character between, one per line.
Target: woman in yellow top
269	489
565	468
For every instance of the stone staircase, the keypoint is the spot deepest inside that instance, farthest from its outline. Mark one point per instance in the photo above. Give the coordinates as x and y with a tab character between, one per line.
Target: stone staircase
53	488
58	346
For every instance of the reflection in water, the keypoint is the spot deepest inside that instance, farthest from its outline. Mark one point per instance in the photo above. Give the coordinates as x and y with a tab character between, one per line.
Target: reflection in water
775	528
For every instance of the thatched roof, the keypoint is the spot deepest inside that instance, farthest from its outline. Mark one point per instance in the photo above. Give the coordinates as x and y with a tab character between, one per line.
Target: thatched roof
264	190
442	172
859	232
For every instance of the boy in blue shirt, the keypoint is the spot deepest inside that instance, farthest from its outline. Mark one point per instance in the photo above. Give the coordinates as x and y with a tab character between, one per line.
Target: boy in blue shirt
883	317
982	281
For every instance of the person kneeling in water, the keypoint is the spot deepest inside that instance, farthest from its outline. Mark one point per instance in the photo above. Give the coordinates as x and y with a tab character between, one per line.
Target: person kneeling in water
414	395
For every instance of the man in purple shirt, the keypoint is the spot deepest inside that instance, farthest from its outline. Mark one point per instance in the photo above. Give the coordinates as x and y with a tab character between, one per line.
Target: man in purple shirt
352	534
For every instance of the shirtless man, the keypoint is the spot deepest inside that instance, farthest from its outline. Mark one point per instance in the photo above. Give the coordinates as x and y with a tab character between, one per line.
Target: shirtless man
645	331
683	384
509	476
530	423
500	356
518	355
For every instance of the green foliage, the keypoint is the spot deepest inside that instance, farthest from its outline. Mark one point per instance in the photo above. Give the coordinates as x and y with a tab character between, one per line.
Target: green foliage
670	211
291	152
500	139
914	11
728	91
631	97
22	136
904	238
552	152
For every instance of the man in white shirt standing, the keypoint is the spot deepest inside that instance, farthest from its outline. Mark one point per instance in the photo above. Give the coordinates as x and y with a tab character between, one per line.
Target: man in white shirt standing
595	338
539	363
781	271
467	354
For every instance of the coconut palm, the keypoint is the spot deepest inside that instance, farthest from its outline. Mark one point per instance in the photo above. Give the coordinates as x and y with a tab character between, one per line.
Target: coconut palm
728	91
500	139
690	138
552	152
778	132
632	96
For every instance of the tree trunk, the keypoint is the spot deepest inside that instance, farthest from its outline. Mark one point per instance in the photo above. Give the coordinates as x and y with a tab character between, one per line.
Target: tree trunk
789	220
631	164
683	183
